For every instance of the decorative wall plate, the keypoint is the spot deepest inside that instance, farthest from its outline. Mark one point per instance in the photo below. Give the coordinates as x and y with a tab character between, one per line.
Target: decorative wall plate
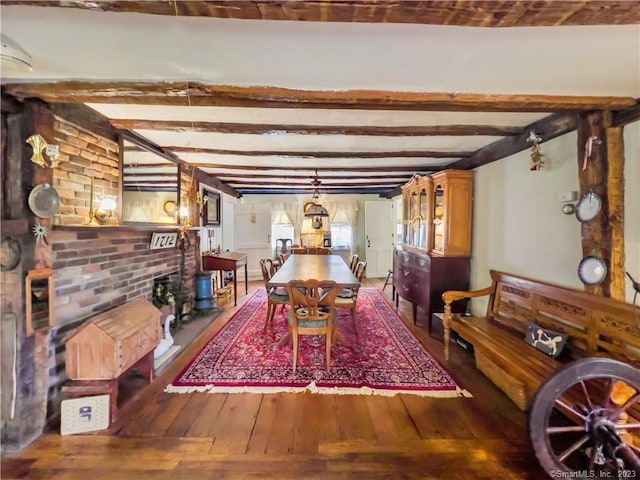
44	201
588	207
10	251
592	270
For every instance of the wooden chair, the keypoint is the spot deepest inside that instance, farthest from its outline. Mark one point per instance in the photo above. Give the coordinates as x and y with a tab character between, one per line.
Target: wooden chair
278	262
298	250
275	296
354	263
323	251
283	245
348	297
312	312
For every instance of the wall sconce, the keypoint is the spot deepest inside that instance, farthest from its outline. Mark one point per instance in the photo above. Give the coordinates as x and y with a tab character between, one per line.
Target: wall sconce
183	213
106	209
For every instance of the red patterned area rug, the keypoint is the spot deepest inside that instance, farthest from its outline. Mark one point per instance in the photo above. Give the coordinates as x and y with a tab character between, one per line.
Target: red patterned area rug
385	359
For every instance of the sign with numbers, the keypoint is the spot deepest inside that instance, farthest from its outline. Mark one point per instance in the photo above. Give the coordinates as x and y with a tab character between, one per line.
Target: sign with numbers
163	240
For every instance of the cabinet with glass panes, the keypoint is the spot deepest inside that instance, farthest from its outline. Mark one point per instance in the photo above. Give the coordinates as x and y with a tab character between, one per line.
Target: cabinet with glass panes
437	213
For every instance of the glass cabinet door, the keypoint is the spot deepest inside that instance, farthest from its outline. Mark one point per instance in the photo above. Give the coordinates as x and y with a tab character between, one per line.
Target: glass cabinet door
438	218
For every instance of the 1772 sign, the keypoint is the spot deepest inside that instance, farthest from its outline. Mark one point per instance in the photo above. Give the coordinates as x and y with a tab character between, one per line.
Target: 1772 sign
163	240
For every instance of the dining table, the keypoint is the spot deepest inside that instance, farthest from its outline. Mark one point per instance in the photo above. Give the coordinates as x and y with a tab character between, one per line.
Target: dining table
320	267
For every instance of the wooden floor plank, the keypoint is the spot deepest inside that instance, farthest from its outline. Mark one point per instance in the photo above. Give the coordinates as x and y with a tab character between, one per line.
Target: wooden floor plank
281	440
263	425
171	409
192	413
203	425
353	417
390	420
232	428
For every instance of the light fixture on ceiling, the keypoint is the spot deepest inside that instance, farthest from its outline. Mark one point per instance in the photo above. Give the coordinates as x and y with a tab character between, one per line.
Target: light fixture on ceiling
313	208
13	57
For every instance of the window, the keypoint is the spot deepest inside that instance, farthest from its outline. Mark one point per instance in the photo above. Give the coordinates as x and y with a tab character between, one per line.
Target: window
340	235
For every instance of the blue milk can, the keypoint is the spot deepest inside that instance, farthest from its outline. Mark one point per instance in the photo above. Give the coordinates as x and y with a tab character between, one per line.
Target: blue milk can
204	292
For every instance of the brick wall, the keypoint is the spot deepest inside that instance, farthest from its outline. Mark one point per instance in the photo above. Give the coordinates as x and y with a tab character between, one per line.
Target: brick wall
83	155
98	269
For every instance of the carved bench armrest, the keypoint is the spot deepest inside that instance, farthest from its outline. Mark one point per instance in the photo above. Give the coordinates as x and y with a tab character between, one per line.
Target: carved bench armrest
449	297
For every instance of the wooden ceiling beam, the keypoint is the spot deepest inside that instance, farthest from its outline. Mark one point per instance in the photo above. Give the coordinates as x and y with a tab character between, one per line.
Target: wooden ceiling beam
548	128
476	13
279	129
625	117
342	191
308	186
383	176
197	94
293	154
338	168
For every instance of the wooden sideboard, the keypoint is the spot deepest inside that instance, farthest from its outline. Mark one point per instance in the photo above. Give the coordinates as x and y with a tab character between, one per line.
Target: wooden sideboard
421	279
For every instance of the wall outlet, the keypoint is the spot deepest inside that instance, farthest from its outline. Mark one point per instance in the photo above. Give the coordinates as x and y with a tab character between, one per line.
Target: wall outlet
567	196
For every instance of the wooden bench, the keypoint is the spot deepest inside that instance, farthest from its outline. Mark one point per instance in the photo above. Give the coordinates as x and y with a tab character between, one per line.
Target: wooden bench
596	326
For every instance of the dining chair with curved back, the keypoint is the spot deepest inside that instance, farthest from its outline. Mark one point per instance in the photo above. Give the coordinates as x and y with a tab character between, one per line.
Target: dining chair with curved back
348	297
277	263
275	296
354	262
312	312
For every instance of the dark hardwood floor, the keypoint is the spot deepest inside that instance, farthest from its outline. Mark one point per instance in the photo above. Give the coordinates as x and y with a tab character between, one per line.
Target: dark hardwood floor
242	436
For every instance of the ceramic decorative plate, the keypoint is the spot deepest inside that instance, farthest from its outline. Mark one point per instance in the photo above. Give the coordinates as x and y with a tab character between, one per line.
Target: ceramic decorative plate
588	207
44	201
592	270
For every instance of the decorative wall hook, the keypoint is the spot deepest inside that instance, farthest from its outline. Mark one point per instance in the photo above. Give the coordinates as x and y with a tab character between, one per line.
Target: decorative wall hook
588	148
39	144
536	155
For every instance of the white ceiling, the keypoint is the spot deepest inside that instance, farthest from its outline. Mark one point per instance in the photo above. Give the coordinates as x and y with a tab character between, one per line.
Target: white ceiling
67	43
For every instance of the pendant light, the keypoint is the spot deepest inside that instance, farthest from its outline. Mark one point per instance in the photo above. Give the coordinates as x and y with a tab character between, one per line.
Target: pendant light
313	208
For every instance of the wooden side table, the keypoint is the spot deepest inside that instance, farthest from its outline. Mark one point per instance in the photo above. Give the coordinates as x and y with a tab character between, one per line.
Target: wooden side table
228	262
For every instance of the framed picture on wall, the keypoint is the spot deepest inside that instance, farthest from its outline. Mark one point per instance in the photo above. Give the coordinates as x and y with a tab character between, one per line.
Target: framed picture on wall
211	208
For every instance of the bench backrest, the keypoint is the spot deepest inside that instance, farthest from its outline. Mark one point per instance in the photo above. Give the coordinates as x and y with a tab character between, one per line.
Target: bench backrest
597	326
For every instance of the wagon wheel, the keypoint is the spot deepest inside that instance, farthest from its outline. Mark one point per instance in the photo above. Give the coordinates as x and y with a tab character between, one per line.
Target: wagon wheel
586	417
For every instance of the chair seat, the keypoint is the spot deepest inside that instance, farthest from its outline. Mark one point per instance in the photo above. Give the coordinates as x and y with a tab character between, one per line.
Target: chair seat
307	323
346	293
276	297
344	302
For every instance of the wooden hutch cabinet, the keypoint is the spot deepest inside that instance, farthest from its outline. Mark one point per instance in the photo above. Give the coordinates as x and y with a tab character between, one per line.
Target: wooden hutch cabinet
435	255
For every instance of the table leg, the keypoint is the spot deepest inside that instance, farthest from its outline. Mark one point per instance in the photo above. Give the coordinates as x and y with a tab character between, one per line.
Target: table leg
235	288
246	280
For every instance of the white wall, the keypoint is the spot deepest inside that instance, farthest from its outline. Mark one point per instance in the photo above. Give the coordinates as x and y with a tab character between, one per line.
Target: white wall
519	226
360	247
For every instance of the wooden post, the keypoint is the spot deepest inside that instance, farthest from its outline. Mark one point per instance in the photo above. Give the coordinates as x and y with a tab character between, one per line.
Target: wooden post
603	173
615	190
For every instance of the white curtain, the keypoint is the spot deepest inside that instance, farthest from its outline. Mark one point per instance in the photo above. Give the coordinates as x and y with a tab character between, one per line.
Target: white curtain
296	215
347	213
